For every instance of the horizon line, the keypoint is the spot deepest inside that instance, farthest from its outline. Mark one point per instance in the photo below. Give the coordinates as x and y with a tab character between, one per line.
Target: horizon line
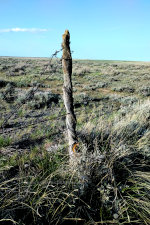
125	60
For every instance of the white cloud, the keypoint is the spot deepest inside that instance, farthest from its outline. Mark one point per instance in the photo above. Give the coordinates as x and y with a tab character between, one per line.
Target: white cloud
17	29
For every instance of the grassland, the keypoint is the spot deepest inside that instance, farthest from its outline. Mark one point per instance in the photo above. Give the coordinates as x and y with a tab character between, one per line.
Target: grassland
110	182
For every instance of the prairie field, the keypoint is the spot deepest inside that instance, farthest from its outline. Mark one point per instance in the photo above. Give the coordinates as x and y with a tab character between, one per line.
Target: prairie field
110	182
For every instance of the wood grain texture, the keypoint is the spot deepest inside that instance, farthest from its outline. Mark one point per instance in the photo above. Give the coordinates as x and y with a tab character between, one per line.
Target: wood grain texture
67	92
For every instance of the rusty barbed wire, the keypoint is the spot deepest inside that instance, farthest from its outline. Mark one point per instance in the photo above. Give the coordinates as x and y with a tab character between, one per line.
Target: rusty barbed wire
29	95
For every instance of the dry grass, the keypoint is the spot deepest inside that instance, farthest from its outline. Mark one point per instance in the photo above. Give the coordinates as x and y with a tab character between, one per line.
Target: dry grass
109	183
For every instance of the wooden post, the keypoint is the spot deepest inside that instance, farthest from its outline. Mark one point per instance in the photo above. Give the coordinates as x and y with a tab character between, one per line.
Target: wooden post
67	94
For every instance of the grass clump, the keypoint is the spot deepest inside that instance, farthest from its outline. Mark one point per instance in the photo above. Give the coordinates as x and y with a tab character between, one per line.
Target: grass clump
34	190
5	141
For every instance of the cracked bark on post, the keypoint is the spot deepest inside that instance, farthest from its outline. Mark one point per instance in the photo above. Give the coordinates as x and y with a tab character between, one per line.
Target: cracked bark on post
67	92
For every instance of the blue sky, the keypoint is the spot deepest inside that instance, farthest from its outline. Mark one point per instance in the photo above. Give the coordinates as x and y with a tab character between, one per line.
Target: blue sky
100	29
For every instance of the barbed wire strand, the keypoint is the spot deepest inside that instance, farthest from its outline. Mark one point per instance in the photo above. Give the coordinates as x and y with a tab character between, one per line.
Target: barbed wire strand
31	93
46	120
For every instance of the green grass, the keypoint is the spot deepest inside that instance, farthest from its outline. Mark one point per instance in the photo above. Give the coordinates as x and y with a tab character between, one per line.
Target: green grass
5	141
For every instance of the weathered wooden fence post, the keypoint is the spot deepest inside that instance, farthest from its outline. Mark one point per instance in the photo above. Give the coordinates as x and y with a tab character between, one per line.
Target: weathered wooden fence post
67	93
